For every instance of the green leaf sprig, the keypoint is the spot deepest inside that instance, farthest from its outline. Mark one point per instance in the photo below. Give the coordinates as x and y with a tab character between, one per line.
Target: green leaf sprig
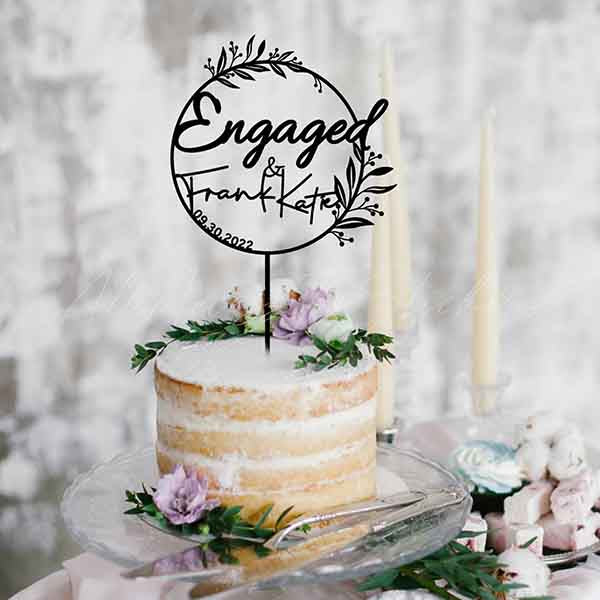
194	332
331	354
218	522
452	570
336	353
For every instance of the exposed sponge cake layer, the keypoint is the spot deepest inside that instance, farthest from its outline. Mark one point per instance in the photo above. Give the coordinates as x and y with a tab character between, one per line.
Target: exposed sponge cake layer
264	433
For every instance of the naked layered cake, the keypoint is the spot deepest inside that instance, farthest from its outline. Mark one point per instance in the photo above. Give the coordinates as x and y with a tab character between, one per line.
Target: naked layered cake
265	433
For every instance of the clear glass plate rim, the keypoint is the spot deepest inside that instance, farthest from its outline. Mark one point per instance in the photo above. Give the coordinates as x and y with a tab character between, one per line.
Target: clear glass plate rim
74	530
105	551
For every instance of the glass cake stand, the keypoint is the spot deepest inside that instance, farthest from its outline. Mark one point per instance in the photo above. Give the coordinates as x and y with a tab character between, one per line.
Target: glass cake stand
93	508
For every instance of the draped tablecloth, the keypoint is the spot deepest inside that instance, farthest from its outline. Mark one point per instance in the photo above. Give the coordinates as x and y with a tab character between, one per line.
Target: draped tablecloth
88	577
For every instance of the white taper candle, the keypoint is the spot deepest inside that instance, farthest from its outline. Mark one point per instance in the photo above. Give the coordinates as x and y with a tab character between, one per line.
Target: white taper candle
400	224
380	311
486	301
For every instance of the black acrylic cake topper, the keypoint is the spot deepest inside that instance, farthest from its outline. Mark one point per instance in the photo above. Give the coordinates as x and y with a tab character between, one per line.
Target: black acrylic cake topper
268	194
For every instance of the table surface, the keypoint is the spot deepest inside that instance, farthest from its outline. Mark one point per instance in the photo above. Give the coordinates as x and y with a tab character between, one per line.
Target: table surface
88	577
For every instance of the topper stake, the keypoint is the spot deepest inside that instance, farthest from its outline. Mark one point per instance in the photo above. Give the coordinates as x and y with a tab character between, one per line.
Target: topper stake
267	303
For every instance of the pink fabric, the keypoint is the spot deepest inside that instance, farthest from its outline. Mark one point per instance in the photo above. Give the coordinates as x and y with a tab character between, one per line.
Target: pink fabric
95	579
579	583
56	586
87	577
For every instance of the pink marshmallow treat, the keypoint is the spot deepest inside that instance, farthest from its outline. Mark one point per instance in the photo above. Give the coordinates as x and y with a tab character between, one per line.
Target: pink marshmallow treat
502	536
529	503
570	536
475	522
572	500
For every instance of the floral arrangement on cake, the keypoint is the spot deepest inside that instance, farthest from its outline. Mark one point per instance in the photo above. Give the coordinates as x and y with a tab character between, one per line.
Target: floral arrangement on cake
180	503
303	318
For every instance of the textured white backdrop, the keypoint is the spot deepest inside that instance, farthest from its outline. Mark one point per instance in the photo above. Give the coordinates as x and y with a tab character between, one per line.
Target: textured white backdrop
96	254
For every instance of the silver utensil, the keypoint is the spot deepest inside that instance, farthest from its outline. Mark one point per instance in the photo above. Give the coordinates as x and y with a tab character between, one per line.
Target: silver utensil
287	535
573	555
340	540
434	500
349	510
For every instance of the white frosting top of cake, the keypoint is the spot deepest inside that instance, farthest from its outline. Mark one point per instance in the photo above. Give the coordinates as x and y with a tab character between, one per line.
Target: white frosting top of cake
243	362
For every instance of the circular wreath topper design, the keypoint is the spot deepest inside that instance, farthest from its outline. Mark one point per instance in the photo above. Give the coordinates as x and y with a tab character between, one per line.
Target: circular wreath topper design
276	184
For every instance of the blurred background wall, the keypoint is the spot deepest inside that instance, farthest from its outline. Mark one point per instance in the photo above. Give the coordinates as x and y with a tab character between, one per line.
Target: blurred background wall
95	254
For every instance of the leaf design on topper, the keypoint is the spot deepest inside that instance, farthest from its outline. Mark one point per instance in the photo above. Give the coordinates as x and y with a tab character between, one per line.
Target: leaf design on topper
227	68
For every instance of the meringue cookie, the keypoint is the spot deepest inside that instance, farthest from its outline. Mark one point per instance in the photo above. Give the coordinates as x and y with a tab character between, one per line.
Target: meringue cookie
523	566
533	456
541	426
567	454
489	466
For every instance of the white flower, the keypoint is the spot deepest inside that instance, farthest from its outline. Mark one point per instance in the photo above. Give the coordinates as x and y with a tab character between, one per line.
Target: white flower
523	566
248	299
282	291
245	299
337	326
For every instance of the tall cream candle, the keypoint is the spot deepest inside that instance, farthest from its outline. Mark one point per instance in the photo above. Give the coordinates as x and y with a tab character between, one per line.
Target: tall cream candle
486	301
380	311
400	225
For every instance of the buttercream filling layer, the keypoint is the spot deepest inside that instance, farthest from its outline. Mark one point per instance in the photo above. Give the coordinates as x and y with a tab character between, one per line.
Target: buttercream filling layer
236	472
173	415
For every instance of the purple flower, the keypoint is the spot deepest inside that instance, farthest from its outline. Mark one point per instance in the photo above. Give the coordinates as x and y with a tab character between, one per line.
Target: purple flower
300	314
181	497
190	560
